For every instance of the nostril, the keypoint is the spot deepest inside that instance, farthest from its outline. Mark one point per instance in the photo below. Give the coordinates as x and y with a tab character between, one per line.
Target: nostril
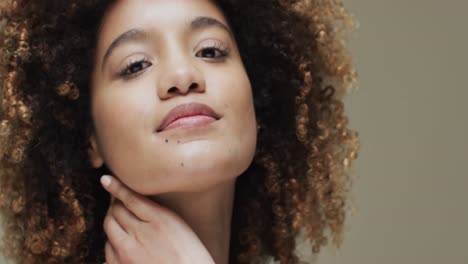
193	86
173	90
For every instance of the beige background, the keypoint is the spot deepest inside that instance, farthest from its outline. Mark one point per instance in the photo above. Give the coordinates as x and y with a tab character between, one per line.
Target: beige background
411	110
411	113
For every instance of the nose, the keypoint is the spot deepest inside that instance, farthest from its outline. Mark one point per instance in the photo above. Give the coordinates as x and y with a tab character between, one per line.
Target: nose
180	78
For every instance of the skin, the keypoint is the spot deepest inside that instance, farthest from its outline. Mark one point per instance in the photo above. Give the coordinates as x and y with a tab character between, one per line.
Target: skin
190	171
141	231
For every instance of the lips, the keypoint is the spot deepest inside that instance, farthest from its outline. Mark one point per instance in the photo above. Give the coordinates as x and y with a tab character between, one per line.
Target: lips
187	110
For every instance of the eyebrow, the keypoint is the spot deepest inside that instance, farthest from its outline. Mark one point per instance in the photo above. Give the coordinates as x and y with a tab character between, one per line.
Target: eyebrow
135	34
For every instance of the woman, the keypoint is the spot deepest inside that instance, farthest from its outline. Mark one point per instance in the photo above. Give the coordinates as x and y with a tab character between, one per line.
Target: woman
220	123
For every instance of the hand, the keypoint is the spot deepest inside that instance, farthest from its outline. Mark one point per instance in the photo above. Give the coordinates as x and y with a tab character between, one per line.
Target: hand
141	231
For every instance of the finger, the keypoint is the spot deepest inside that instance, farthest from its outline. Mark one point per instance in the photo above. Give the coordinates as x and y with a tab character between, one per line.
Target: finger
115	233
110	204
111	257
126	219
136	203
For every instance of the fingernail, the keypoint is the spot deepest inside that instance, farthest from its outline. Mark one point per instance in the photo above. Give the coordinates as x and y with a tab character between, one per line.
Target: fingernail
105	180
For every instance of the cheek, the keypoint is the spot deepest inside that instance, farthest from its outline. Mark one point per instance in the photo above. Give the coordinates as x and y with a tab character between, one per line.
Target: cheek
237	98
232	87
117	113
120	121
236	94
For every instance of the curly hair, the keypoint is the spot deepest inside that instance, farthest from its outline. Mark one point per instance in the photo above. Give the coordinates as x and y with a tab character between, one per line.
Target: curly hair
296	58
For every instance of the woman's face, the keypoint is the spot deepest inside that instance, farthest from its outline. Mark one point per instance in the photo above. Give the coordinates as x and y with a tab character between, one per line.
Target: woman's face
155	55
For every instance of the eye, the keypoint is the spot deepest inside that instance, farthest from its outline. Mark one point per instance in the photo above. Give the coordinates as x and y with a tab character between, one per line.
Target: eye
212	53
213	50
134	67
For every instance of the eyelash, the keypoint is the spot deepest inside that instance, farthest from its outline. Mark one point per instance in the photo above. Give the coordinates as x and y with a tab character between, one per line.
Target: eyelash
125	72
216	46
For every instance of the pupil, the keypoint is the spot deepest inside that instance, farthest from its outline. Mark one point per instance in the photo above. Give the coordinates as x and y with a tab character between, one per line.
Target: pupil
135	67
209	53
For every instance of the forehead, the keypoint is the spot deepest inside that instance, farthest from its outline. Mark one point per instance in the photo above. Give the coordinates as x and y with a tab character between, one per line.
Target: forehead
155	15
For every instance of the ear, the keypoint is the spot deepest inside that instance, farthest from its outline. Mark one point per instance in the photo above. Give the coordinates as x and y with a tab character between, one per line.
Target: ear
94	154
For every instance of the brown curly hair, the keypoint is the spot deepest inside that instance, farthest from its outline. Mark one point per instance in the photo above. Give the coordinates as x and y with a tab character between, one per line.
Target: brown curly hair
295	55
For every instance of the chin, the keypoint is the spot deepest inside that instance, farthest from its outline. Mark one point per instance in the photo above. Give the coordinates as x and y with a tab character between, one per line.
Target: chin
194	175
195	166
186	180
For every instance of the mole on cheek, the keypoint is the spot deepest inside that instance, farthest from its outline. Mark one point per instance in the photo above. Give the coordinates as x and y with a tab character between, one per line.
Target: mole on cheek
182	164
167	140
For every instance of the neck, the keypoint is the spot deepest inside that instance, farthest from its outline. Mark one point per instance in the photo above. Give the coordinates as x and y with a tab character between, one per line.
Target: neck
208	213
